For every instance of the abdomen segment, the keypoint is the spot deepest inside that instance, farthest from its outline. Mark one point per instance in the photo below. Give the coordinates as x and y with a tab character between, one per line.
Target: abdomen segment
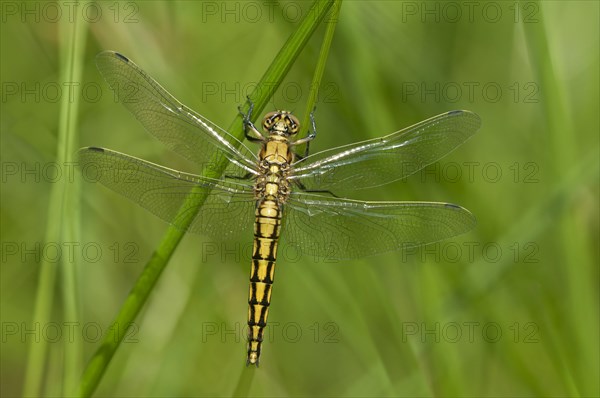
264	253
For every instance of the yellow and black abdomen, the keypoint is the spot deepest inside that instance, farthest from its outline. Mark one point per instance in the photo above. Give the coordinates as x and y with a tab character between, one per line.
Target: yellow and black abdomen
264	253
272	190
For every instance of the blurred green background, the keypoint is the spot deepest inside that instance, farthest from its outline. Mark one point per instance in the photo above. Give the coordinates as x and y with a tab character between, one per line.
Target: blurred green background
509	309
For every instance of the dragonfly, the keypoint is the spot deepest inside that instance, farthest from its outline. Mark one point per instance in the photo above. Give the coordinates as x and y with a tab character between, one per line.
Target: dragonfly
276	194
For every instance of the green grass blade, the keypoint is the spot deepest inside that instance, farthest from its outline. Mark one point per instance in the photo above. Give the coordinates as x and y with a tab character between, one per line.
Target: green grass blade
320	68
271	79
74	53
244	382
284	60
62	225
563	152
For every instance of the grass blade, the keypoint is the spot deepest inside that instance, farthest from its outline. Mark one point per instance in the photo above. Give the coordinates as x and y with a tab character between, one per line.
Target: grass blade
563	152
320	68
62	225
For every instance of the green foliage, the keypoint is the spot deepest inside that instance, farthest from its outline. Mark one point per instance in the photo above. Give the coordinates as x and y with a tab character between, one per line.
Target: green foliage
424	322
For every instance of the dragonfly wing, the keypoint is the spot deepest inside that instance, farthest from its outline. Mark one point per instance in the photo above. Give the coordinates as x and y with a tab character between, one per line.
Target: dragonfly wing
338	228
382	160
178	127
227	207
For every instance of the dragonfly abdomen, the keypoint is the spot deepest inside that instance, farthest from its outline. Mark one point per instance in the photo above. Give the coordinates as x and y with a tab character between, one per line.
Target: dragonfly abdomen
264	253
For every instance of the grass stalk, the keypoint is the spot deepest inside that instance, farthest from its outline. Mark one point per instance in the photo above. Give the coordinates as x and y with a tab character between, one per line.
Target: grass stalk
72	67
562	148
62	225
313	93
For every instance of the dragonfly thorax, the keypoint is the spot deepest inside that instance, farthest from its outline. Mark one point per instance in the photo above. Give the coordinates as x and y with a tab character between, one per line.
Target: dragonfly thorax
281	123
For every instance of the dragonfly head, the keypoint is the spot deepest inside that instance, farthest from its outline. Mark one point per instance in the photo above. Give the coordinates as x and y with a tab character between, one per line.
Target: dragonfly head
281	123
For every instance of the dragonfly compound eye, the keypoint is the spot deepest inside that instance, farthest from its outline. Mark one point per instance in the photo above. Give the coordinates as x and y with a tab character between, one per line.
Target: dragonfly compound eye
292	123
281	121
270	119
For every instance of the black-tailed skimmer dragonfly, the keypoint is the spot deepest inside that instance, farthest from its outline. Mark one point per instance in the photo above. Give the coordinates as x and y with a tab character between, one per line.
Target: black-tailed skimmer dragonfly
277	191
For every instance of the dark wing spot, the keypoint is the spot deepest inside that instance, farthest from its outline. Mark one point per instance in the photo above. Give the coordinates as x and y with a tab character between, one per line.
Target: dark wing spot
457	112
123	58
95	149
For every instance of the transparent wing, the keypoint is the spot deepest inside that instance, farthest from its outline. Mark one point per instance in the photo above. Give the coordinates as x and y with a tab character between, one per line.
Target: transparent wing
382	160
178	127
226	213
337	228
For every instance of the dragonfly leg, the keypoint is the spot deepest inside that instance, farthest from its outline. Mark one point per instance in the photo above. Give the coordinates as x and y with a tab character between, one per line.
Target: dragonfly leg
303	188
311	135
312	121
250	130
247	115
247	176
